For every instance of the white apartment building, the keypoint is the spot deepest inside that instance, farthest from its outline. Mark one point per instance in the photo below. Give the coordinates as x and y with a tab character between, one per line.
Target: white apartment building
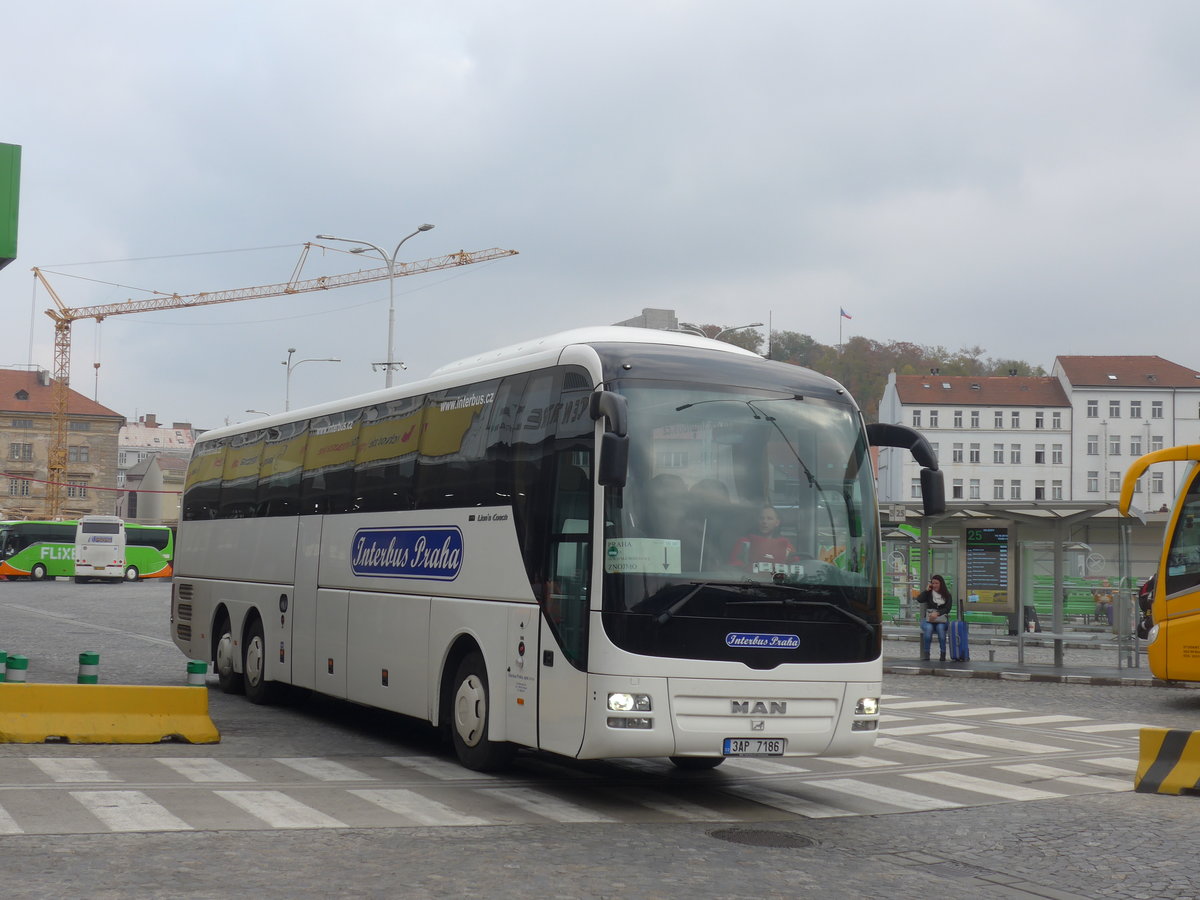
1063	438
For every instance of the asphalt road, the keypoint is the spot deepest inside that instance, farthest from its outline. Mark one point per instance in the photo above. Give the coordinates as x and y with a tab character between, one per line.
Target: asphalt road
314	797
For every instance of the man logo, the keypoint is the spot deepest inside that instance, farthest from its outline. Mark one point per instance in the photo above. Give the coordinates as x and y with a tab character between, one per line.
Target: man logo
758	707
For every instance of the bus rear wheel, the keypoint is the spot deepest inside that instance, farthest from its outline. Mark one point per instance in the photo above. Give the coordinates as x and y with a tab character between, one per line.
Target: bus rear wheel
132	573
470	713
230	681
254	667
38	572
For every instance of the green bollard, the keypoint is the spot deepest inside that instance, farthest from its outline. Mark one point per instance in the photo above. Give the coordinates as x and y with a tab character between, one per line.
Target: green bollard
3	663
89	668
196	670
18	668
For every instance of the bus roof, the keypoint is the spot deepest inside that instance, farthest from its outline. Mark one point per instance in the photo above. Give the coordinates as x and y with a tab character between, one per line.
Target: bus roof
451	374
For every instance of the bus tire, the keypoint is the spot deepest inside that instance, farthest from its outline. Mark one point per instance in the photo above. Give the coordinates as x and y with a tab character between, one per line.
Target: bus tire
696	763
132	573
229	680
254	667
470	712
38	572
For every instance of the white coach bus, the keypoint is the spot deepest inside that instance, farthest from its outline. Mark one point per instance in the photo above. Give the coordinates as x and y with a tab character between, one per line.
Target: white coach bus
609	542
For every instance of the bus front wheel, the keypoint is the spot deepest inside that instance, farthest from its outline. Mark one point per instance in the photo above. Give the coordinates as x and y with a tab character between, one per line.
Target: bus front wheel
254	667
469	716
228	678
132	573
38	572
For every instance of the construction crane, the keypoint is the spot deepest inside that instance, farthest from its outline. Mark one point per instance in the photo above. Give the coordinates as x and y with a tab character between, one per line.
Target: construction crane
65	316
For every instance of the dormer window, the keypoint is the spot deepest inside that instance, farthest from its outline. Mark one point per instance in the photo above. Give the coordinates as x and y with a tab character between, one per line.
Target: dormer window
22	394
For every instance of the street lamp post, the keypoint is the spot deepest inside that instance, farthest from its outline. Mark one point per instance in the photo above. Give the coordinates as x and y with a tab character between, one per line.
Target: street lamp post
287	394
689	328
390	362
725	331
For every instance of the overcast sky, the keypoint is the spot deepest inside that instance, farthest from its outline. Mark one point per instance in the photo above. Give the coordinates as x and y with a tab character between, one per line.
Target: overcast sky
1015	175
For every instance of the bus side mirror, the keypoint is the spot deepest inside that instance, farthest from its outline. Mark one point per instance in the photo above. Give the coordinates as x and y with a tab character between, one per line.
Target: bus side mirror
933	492
614	444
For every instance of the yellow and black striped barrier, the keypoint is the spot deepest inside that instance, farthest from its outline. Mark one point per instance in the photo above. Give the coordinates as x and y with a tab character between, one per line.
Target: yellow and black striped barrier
1168	762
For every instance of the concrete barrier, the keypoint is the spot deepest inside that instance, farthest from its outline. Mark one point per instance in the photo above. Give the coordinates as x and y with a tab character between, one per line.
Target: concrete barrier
104	714
1168	762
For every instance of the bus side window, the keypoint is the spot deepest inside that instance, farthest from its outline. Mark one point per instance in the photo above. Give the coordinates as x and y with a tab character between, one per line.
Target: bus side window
569	557
1183	559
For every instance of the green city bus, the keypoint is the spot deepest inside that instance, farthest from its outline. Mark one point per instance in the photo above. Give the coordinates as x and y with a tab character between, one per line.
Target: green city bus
37	550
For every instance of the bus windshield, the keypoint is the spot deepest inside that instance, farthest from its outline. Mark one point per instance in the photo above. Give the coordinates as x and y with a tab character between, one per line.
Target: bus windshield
747	504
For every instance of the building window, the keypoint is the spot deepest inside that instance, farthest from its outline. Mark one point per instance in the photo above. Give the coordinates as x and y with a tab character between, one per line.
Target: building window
914	489
1137	486
1156	442
973	487
1015	419
1135	445
1014	489
1039	419
1135	409
1114	445
916	418
957	452
1039	454
974	418
1156	482
22	423
131	504
1056	420
973	454
1093	482
957	489
1093	409
672	459
998	453
1056	492
76	490
79	426
22	452
999	418
958	419
1114	482
933	418
1156	409
1039	490
18	487
1114	409
78	454
998	489
1014	454
1056	454
1093	445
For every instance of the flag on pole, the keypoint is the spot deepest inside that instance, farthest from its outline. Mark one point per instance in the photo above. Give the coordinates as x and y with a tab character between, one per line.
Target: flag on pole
846	315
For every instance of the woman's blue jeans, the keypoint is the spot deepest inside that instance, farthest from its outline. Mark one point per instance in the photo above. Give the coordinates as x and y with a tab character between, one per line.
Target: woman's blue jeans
927	629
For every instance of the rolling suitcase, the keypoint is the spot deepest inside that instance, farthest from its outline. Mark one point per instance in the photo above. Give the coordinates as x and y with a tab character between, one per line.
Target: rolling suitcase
960	643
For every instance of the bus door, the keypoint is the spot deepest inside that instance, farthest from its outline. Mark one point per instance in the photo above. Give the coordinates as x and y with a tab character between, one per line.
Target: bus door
562	660
1177	651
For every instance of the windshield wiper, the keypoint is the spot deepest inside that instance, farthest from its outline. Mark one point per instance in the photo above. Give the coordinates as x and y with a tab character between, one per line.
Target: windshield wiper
665	616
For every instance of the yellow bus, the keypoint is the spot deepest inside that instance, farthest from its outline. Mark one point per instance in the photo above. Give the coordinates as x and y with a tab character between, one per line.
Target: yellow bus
1171	604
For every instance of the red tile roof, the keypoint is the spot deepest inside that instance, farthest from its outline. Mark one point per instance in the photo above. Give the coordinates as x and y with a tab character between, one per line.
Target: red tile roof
984	390
40	400
1126	371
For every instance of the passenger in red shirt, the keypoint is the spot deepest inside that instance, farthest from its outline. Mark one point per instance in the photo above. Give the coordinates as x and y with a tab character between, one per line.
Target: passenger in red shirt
764	546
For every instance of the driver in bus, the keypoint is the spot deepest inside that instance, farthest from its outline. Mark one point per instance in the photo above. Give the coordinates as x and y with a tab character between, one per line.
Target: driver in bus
764	545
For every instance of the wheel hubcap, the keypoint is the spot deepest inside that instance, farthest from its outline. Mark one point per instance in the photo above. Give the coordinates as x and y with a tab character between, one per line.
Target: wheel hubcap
254	661
225	655
470	710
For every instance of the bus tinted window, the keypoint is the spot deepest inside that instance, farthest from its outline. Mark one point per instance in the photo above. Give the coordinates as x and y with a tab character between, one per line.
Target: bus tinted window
387	455
453	469
327	484
239	479
202	489
278	492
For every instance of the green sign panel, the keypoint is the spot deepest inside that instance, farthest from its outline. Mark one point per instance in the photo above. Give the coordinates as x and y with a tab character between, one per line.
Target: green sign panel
10	193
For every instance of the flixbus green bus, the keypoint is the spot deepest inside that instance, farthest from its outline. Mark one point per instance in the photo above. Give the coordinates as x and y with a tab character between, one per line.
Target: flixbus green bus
40	549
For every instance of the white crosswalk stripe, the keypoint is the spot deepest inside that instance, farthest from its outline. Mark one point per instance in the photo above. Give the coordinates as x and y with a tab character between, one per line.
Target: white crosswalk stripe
279	810
420	810
74	769
1067	776
547	805
129	811
880	794
926	728
994	742
1041	720
789	802
764	766
671	806
975	784
324	769
440	769
948	754
8	825
204	771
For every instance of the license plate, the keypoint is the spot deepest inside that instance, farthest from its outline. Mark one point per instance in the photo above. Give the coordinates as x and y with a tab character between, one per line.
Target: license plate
754	746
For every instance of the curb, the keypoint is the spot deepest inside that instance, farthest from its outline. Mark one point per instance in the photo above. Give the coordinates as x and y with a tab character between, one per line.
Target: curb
1050	677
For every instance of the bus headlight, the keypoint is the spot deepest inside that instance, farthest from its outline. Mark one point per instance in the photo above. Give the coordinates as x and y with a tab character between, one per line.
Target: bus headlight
633	722
867	706
623	702
1152	634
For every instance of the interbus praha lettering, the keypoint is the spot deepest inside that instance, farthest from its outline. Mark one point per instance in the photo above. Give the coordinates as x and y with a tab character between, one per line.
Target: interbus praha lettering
560	545
1171	606
34	550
